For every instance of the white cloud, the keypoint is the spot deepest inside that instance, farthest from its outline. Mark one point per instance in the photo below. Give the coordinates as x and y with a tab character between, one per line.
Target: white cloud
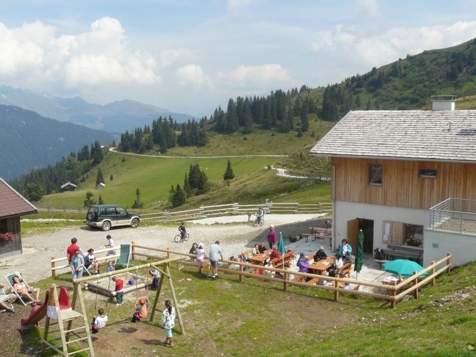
99	56
349	44
192	75
256	77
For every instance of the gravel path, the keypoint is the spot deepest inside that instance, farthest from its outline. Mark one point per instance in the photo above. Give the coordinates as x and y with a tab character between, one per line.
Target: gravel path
35	265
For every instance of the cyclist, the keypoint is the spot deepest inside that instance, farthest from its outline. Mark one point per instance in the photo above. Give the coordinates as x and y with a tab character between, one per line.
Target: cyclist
259	215
182	231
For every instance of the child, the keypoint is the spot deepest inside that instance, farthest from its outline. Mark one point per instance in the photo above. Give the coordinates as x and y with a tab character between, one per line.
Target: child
119	289
90	261
168	322
99	321
200	257
110	266
141	310
155	280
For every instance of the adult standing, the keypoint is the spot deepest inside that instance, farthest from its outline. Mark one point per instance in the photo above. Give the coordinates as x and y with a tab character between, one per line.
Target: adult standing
344	248
77	265
272	237
110	244
71	249
215	249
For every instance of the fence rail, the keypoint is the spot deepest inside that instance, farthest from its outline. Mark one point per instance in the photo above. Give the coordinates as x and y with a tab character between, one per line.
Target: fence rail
230	209
455	215
391	293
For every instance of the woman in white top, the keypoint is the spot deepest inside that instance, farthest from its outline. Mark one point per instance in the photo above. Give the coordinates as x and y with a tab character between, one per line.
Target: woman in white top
90	261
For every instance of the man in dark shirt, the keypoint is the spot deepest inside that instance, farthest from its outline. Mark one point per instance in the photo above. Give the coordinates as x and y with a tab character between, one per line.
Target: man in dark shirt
320	254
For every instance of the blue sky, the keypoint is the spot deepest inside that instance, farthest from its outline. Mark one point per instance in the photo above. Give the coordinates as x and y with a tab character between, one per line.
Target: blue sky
191	56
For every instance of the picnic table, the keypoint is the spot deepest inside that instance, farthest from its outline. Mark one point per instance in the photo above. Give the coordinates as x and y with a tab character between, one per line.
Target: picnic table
318	233
259	259
321	265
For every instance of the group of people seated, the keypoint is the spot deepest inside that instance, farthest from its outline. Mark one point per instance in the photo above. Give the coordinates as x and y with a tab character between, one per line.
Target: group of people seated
19	288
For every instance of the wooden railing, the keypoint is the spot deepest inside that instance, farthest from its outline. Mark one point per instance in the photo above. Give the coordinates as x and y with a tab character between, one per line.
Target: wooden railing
391	293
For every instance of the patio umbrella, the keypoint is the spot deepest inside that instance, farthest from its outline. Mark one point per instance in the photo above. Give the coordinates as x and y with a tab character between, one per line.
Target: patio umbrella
359	255
402	267
281	247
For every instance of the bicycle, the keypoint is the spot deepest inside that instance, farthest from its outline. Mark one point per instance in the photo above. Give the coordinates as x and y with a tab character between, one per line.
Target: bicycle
178	238
259	221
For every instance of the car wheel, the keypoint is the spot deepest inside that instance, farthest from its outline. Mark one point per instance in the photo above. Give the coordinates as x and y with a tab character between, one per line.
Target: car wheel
134	223
106	226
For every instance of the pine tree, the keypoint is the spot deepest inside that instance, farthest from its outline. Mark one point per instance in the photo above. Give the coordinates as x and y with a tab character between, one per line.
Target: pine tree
186	186
99	177
179	197
228	175
89	199
138	203
100	201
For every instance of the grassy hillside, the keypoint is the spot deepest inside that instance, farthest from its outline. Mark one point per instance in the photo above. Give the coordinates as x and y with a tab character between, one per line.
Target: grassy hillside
154	175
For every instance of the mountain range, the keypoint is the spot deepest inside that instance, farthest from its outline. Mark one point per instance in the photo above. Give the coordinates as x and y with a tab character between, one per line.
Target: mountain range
116	117
30	141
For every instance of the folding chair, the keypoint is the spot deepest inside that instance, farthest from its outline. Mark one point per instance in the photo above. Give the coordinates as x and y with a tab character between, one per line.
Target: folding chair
9	279
125	255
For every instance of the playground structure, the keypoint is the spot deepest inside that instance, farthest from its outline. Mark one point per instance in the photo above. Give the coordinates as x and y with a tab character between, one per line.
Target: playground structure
59	307
133	281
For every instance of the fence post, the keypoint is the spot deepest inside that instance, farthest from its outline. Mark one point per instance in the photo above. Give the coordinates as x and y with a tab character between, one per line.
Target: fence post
235	208
336	292
133	255
433	280
53	265
448	262
242	268
285	284
415	281
202	211
166	215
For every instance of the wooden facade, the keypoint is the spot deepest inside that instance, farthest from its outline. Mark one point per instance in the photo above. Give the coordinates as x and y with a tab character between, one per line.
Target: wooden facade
14	246
402	185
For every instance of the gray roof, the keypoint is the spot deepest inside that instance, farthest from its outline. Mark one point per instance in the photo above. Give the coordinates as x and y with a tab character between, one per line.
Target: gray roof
403	134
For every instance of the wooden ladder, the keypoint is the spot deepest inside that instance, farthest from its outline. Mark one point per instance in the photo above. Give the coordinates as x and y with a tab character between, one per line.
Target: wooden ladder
65	319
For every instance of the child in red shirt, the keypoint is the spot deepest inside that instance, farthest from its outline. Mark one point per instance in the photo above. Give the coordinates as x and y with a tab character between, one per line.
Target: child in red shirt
119	289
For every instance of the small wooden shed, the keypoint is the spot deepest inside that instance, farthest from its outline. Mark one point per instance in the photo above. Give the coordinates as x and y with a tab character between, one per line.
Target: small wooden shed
12	206
68	186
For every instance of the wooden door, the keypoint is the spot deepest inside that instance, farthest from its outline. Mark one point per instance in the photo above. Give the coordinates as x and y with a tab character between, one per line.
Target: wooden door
352	232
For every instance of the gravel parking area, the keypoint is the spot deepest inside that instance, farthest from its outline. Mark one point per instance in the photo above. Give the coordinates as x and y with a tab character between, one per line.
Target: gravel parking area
235	237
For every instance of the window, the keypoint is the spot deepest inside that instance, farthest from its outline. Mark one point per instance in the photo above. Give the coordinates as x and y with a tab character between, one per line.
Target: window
428	173
3	226
375	174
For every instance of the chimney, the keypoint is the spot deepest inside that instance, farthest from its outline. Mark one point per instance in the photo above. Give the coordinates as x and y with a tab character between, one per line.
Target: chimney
444	102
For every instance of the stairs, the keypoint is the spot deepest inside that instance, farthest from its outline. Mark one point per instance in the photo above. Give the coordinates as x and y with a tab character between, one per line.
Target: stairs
60	334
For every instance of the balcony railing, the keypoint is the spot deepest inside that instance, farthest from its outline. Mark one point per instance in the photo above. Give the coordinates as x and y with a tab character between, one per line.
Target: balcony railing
454	215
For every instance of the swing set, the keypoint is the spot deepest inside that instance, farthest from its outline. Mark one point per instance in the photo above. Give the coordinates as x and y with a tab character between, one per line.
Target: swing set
162	266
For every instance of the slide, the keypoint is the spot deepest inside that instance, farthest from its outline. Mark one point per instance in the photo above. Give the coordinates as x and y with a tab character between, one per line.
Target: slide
37	312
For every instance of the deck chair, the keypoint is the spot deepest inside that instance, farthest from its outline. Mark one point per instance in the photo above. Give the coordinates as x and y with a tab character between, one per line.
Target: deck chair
125	255
9	279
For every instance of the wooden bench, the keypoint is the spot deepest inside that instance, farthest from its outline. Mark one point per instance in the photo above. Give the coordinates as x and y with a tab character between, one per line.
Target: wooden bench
346	269
278	262
312	281
380	262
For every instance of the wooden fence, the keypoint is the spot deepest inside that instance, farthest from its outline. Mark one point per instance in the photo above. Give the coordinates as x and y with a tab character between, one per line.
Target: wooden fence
391	293
229	209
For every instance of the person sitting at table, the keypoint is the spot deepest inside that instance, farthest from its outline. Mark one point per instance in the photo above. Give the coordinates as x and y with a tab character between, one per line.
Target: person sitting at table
349	258
256	249
338	263
303	264
320	254
262	248
275	254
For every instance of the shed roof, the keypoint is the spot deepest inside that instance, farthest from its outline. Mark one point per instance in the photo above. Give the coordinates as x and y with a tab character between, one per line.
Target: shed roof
12	203
68	184
448	135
